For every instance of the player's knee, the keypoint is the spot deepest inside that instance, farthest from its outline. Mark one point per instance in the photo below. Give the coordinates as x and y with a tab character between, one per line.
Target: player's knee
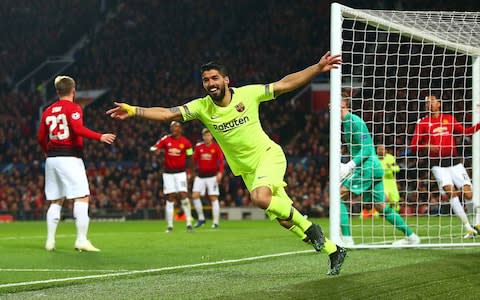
286	224
82	199
58	202
449	190
261	197
467	195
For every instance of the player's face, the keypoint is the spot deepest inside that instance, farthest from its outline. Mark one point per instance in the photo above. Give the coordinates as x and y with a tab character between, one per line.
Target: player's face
207	137
215	84
380	150
433	104
176	129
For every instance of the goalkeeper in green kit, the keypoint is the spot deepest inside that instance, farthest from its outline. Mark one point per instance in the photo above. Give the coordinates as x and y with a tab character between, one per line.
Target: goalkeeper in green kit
363	176
232	116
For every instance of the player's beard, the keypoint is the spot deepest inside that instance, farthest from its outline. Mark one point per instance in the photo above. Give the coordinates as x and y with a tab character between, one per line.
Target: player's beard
220	95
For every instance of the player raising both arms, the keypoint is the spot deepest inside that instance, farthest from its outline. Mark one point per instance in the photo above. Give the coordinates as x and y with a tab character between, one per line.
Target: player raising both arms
60	135
433	137
175	184
232	116
209	165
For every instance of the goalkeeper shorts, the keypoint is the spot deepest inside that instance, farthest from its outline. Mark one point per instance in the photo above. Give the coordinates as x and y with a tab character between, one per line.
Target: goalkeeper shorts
371	189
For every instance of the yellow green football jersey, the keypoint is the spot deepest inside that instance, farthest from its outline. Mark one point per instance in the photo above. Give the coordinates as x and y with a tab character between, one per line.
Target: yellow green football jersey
236	127
390	167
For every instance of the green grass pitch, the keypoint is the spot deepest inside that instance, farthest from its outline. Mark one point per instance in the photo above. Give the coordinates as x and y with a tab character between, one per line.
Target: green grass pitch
241	260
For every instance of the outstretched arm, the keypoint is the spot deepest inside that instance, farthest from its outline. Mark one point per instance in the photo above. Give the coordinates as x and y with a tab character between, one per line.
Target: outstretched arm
459	128
124	110
301	78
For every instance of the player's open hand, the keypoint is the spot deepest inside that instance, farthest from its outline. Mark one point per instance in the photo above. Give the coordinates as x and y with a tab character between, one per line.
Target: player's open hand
108	138
328	62
121	111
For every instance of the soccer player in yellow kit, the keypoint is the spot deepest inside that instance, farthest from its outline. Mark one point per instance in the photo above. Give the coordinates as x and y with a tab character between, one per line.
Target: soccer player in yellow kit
390	168
232	116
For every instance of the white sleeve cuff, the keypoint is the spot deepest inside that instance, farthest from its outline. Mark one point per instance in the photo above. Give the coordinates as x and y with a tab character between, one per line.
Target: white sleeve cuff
351	164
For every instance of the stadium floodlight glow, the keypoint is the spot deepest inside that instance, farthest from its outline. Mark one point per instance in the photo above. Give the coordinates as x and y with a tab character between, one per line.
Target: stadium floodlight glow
391	61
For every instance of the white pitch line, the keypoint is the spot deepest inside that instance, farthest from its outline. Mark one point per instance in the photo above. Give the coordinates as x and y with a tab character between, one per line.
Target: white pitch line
118	274
6	238
59	270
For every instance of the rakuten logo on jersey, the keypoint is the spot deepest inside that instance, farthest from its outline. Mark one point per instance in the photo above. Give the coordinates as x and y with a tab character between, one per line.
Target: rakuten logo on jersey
227	126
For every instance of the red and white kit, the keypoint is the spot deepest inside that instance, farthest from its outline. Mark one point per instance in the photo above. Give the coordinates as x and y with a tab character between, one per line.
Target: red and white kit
60	135
175	164
209	161
435	136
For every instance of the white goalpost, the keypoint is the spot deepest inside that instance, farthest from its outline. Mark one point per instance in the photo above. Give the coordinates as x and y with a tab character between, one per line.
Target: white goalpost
391	61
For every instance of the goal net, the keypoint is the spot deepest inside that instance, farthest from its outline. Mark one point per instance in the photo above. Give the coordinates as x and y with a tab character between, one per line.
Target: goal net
392	60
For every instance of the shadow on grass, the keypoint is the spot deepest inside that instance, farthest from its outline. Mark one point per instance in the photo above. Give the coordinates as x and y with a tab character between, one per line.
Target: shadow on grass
453	276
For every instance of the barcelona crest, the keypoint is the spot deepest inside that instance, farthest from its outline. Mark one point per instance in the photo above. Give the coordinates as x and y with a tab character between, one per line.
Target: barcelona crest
240	107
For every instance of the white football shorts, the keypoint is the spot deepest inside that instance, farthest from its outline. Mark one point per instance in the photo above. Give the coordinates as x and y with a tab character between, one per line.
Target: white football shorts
455	175
206	184
174	183
65	176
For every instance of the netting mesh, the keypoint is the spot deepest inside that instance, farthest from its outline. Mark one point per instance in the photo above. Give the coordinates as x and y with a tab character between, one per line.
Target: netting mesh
459	28
388	73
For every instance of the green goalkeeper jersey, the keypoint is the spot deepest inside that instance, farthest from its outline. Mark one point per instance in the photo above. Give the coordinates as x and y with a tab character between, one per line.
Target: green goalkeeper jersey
360	144
236	127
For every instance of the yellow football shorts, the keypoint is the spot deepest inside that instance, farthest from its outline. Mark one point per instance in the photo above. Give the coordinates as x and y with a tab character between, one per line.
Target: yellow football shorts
269	171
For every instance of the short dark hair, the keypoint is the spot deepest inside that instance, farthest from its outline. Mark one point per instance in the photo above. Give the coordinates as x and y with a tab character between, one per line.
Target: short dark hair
213	65
433	95
175	123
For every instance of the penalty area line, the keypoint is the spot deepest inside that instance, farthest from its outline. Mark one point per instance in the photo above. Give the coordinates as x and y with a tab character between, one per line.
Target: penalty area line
134	272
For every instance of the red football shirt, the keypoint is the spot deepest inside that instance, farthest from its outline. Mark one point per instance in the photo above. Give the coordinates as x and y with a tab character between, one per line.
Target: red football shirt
208	159
438	131
61	130
176	152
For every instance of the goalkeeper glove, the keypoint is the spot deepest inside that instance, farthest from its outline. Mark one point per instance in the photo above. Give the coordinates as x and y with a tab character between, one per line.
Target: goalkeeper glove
130	109
346	169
